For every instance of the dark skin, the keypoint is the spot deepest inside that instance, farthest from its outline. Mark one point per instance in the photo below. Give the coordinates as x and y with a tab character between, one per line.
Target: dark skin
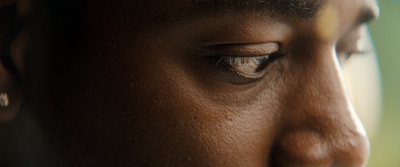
162	83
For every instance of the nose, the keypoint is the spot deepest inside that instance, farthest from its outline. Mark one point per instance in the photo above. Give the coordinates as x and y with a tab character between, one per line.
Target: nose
319	126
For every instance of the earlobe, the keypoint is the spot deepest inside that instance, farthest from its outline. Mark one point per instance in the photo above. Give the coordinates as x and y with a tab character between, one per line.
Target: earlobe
4	100
10	96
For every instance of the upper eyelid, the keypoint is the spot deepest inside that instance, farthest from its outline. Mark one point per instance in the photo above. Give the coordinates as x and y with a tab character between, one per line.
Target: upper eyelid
244	50
348	42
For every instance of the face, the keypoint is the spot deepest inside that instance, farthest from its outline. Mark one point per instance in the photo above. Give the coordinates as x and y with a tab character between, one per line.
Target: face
188	83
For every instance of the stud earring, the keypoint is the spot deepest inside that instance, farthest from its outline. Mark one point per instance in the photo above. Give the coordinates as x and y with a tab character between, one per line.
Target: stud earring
3	100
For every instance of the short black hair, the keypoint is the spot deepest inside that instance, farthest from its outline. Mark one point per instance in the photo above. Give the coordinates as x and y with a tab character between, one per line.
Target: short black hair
291	8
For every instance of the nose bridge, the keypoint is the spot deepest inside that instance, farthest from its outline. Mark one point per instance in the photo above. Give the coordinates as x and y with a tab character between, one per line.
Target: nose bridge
319	94
319	124
359	128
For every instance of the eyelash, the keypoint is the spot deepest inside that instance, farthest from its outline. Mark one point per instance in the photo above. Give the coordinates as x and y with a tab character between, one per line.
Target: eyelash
247	60
243	61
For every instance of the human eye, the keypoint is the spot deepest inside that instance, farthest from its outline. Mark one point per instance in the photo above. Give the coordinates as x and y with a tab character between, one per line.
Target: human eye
247	66
355	42
244	63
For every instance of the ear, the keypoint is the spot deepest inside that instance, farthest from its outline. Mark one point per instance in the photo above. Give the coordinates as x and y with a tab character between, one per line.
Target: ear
10	94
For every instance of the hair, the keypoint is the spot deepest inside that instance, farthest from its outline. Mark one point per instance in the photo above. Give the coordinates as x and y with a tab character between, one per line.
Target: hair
291	8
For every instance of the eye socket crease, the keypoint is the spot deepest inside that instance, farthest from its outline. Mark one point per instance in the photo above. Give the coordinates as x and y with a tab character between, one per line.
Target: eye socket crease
243	50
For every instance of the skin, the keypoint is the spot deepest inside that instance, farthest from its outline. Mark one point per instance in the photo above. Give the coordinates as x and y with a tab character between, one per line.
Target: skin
131	84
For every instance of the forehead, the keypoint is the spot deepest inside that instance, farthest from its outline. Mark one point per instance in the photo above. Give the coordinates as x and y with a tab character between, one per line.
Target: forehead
179	10
281	6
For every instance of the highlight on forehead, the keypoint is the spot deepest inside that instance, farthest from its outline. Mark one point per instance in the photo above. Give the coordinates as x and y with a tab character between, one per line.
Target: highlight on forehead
288	8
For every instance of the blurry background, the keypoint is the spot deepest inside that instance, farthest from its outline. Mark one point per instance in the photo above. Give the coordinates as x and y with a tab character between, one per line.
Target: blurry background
385	146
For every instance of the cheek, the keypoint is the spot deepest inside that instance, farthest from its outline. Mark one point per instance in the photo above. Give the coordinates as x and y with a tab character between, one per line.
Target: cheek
143	104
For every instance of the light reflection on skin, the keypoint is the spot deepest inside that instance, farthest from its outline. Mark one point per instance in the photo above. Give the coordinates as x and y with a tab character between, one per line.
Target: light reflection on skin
363	79
361	71
327	24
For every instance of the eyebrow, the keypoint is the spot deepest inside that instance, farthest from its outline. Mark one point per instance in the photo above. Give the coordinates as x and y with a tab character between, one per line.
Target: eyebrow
367	14
299	9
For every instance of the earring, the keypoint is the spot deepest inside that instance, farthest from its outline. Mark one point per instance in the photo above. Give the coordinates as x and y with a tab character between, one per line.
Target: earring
3	100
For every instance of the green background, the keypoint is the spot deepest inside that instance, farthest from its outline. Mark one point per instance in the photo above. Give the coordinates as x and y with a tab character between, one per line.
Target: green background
385	147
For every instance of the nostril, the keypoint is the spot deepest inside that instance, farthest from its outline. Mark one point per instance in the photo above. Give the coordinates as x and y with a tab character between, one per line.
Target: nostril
301	149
